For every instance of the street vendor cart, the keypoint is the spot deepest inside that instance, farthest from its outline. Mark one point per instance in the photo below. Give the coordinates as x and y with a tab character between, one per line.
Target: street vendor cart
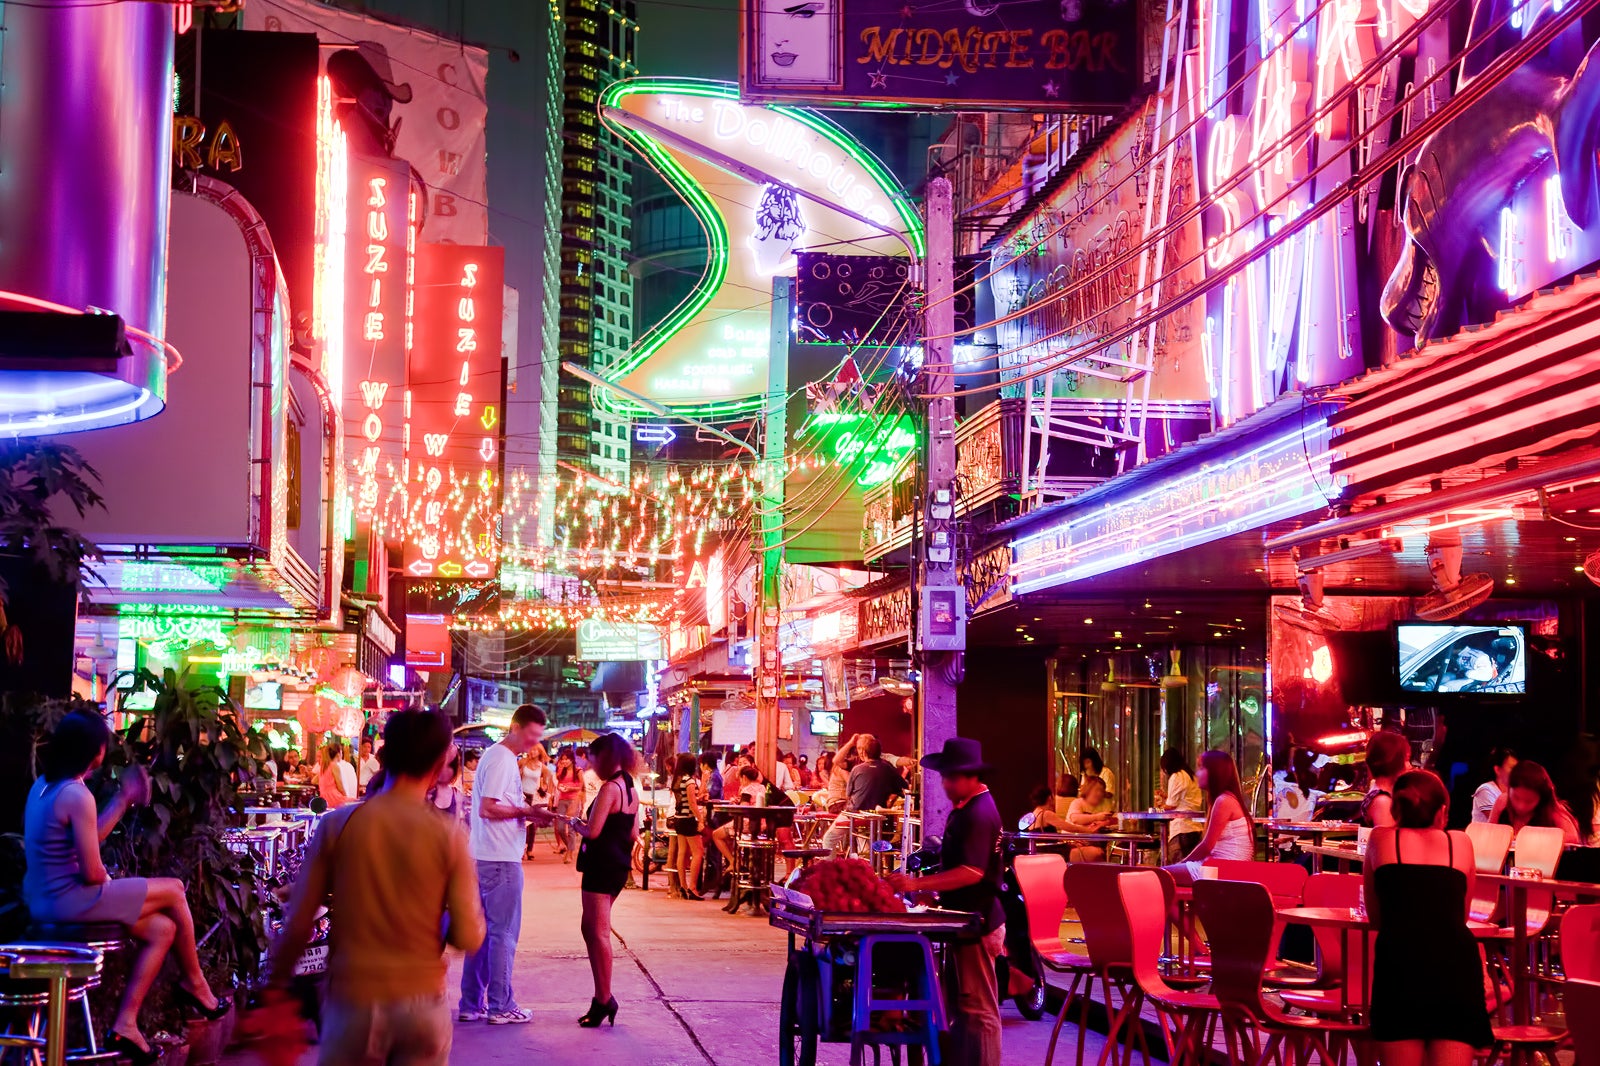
863	979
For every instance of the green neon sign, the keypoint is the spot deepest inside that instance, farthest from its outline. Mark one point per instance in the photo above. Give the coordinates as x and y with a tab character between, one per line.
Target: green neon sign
708	358
869	446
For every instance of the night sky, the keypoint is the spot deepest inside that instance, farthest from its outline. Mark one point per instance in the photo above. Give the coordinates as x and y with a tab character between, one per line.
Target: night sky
694	38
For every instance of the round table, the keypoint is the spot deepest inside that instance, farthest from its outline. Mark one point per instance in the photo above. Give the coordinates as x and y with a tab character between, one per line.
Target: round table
1350	922
1163	820
1031	841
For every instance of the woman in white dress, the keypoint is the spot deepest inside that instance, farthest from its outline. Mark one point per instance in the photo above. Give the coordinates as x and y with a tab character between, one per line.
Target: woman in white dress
1230	833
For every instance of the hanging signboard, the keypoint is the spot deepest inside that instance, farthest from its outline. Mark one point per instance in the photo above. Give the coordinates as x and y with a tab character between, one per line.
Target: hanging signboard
764	183
453	426
1077	55
603	641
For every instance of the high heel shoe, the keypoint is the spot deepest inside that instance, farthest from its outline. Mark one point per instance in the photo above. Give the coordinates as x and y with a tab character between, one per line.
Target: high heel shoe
599	1012
125	1049
210	1014
690	895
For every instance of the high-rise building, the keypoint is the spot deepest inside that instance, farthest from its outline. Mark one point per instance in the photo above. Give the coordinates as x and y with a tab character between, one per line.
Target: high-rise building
596	301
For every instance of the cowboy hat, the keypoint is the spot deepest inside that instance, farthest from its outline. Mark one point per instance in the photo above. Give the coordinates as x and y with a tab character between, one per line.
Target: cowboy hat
960	756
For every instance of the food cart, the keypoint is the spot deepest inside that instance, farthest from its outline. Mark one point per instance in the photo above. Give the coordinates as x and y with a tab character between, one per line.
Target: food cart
827	966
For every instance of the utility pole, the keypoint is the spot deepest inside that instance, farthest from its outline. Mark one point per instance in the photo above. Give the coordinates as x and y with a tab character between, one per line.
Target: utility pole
942	607
769	529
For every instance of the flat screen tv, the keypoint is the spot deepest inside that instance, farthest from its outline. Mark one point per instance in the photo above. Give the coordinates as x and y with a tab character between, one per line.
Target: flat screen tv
1447	659
825	723
264	696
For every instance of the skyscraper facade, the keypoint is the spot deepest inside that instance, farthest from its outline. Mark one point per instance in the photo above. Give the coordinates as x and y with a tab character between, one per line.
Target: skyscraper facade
596	298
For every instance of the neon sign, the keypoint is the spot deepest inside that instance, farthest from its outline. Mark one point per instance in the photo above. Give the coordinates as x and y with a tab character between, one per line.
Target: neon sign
869	447
771	179
453	428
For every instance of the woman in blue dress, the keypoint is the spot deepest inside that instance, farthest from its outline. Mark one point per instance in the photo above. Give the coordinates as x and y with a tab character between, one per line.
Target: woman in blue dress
66	881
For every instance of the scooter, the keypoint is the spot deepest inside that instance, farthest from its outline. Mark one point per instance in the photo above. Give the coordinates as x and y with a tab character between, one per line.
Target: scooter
1017	970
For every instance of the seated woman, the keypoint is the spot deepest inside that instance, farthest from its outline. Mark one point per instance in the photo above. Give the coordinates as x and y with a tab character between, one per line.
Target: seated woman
1091	812
1045	818
1531	799
1428	1004
66	881
1230	834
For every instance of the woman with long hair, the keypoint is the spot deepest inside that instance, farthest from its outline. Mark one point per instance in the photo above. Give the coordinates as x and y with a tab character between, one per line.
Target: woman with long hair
605	858
569	800
1531	800
1230	832
1427	977
66	880
1090	764
688	850
330	779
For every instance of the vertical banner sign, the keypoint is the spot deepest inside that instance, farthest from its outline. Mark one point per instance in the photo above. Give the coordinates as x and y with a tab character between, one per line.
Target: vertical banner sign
378	239
453	439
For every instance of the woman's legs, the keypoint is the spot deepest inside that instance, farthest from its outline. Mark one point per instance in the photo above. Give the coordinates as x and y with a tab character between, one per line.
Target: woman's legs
597	938
1448	1053
155	933
697	859
165	896
1404	1053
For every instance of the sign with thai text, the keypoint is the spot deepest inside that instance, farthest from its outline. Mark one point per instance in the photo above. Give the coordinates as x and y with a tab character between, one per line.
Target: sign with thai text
1080	55
603	641
453	428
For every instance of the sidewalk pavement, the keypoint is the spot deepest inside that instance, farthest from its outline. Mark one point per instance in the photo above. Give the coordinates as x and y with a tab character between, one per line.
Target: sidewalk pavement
696	986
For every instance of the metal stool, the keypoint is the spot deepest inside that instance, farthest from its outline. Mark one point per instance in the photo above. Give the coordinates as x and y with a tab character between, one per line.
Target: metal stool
108	938
44	978
926	1000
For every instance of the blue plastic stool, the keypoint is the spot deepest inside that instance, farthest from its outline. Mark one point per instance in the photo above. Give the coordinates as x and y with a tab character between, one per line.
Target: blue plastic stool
927	1001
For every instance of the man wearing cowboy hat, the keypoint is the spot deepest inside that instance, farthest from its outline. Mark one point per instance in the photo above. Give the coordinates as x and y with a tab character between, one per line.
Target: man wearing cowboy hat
968	880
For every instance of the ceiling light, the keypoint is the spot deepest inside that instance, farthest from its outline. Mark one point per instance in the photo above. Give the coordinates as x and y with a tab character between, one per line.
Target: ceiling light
1511	581
1570	540
1090	621
1116	634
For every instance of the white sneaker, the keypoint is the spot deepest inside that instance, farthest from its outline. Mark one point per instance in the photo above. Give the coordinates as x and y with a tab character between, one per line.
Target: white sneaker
472	1016
514	1016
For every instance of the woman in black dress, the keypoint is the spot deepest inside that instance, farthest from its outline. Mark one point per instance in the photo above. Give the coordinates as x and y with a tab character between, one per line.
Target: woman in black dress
1428	1004
605	857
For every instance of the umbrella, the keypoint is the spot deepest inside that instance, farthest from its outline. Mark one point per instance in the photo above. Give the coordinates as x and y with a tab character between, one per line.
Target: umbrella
570	736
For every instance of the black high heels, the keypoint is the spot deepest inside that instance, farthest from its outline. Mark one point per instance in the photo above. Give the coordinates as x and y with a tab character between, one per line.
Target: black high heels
126	1050
600	1012
210	1014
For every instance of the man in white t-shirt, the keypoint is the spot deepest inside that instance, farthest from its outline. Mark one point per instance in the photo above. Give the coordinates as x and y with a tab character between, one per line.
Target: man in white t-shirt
499	824
347	773
367	764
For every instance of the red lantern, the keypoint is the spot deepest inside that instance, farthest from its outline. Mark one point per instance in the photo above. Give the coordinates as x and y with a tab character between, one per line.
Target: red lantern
351	721
348	682
318	714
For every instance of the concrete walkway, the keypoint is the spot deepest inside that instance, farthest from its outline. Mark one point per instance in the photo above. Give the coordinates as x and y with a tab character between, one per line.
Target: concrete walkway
697	987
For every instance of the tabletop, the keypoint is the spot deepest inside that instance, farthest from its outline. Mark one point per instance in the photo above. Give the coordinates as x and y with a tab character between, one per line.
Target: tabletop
1092	838
1333	851
1159	816
1325	828
1326	917
1565	889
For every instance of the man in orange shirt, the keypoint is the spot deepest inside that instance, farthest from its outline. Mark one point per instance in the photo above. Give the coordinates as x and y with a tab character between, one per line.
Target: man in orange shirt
407	888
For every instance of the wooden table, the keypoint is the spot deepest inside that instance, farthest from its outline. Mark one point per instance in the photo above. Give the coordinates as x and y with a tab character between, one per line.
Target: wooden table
1352	924
754	852
1517	888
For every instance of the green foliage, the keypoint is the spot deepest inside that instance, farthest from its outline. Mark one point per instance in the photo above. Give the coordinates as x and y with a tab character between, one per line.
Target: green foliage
34	473
197	752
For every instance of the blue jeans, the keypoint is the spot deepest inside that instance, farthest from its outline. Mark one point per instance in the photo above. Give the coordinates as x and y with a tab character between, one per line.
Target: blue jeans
500	886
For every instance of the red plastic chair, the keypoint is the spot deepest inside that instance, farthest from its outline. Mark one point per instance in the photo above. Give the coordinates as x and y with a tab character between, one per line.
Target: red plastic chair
1286	881
1181	1015
1092	887
1334	890
1490	843
1580	943
1239	920
1042	882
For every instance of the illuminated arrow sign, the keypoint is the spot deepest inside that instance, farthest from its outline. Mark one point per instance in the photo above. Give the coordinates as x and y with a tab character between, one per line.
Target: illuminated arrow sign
420	569
477	568
764	182
449	569
654	433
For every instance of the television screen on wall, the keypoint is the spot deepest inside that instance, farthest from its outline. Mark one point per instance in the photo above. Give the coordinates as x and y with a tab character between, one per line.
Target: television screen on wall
1445	659
826	723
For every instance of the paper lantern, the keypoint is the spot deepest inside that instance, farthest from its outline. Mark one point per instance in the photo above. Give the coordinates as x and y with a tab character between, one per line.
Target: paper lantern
349	682
318	714
351	720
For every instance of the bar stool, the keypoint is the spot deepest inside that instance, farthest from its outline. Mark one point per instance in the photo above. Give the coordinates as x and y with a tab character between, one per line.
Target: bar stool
926	1000
800	858
107	938
43	979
